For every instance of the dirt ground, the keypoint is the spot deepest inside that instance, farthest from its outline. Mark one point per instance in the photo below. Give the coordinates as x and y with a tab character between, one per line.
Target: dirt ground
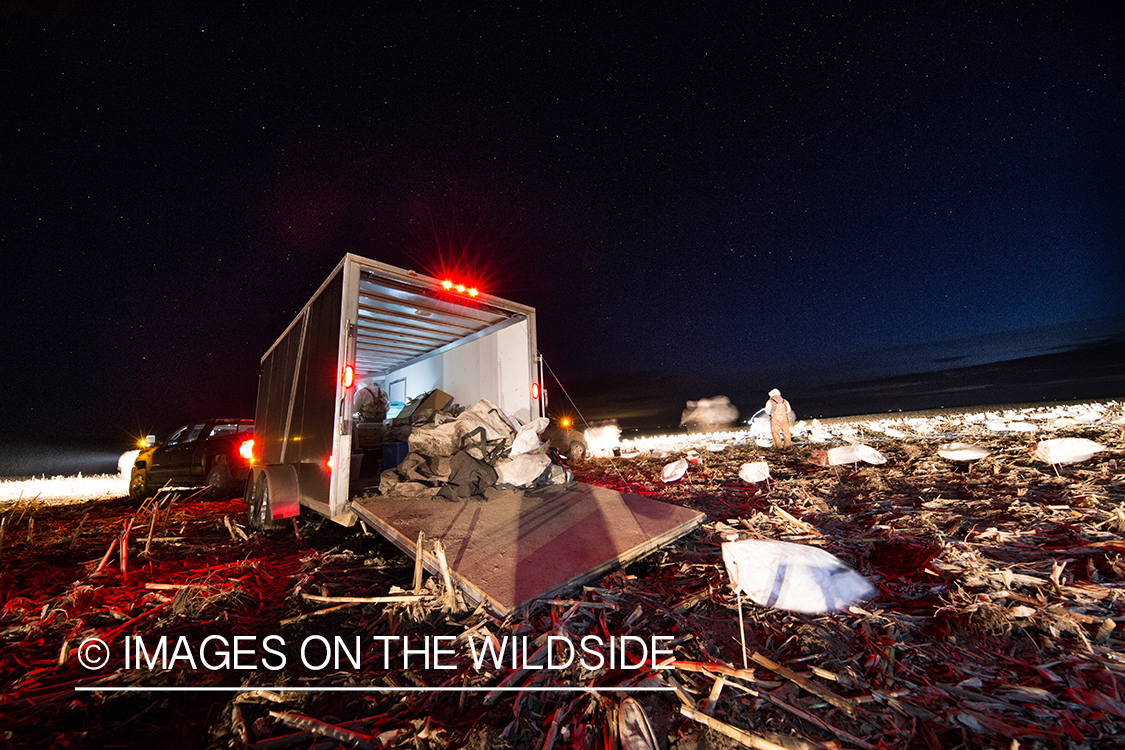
1000	596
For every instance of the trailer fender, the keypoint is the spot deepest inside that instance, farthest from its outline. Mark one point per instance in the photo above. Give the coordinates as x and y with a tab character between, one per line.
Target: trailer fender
272	493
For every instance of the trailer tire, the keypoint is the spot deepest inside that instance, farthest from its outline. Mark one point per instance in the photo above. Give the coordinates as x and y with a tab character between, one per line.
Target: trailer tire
577	452
259	511
138	483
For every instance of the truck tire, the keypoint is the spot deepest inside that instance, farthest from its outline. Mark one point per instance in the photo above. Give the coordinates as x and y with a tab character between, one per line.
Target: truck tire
219	479
138	483
259	512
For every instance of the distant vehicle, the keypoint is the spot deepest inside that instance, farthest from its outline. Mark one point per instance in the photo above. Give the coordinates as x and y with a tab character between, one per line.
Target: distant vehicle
563	437
216	453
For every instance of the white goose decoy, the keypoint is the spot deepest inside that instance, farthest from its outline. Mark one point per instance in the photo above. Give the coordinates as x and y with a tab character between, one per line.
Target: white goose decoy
962	452
850	454
674	471
759	471
1066	450
794	577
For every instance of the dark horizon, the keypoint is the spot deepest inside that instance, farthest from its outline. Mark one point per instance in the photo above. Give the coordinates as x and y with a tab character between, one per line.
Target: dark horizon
648	403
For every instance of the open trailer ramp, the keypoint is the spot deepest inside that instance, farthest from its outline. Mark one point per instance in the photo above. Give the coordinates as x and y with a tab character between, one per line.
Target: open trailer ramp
520	546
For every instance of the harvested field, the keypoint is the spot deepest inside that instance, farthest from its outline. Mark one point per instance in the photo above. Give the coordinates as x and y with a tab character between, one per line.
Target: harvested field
996	623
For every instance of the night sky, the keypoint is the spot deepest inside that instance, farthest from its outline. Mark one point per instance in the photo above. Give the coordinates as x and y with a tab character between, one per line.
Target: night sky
754	195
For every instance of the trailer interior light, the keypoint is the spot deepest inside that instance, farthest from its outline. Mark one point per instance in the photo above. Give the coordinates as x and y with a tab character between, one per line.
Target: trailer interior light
246	450
349	376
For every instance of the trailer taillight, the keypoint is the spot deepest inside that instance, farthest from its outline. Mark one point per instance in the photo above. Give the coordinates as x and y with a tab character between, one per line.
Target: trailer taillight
349	376
535	390
246	450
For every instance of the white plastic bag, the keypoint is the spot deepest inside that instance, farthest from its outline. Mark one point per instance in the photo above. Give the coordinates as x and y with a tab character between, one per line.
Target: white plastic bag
527	439
522	470
791	576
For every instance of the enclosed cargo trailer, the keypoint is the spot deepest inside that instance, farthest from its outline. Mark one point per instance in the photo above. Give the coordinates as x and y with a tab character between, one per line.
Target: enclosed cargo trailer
372	323
410	334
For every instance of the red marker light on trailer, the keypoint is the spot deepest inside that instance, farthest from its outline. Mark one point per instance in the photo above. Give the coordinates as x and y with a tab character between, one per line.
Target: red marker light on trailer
328	462
452	286
349	376
535	390
246	450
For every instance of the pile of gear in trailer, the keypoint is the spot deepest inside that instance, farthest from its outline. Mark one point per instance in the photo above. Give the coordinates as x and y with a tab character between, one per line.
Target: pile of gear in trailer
464	454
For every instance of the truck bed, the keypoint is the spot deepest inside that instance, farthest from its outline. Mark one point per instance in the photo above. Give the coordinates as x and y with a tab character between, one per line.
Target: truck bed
520	546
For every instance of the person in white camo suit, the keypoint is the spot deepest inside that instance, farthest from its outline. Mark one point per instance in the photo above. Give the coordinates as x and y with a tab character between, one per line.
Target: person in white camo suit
780	414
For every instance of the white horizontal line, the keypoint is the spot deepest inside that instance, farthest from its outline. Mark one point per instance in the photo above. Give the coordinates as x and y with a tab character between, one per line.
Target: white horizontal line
371	689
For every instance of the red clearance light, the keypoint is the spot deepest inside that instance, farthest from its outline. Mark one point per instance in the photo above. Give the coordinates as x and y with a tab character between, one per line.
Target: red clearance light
535	390
328	462
349	376
452	286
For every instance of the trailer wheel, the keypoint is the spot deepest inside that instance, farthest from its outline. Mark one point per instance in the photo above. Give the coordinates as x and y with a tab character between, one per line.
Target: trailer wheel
259	511
577	452
138	484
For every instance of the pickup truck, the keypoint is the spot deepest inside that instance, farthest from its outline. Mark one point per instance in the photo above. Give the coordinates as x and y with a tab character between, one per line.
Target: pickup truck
216	453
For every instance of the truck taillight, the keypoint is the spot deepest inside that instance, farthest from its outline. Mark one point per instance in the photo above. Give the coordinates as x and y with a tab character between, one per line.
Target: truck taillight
328	462
535	390
349	376
246	450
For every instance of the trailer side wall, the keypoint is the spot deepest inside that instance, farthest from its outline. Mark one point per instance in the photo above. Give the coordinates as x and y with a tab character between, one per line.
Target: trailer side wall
294	419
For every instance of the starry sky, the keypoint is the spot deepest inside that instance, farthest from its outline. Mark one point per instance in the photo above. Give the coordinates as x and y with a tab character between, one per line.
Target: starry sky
743	193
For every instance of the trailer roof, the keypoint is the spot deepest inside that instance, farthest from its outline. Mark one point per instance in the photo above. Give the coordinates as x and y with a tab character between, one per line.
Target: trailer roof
404	315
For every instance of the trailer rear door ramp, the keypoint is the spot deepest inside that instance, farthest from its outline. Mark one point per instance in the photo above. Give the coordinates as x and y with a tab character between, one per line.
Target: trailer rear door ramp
521	546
